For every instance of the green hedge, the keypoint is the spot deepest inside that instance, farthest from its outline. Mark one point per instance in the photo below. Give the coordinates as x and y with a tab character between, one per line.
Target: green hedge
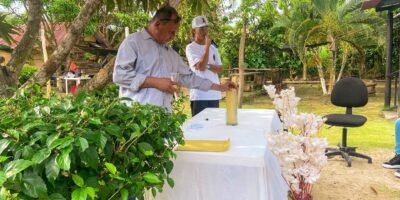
85	147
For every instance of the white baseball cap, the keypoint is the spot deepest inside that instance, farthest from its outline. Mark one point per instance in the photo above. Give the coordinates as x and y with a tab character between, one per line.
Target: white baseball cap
199	21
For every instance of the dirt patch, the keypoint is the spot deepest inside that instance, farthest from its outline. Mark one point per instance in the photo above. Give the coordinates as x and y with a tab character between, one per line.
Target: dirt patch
362	181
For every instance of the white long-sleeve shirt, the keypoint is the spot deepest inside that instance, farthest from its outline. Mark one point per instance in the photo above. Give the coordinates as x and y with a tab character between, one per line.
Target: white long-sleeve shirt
140	56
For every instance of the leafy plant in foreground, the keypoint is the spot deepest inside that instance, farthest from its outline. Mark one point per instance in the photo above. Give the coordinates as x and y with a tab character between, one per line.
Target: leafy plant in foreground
85	147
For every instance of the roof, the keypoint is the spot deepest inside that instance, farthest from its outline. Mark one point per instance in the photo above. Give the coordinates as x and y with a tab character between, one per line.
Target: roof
380	5
59	31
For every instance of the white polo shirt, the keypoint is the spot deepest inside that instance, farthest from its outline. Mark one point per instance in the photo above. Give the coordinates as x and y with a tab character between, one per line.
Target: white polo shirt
194	52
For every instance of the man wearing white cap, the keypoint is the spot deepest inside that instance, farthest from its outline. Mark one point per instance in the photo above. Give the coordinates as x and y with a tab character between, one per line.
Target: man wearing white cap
205	61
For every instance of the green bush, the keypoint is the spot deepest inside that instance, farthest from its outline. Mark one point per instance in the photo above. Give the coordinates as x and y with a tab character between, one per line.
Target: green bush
85	147
26	72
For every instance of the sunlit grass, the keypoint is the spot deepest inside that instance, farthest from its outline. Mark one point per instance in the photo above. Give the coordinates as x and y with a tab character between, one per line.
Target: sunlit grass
377	132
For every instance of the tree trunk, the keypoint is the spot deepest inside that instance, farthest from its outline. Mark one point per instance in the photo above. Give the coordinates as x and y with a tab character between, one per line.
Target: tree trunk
318	62
102	78
304	69
332	71
304	61
344	61
9	74
241	64
62	51
102	39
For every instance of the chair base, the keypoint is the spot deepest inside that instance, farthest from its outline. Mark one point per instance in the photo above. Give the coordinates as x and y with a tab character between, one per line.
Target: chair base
346	152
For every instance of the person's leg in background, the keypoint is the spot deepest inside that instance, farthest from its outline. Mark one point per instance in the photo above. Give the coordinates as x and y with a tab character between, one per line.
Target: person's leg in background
213	104
397	144
394	163
397	137
200	105
197	106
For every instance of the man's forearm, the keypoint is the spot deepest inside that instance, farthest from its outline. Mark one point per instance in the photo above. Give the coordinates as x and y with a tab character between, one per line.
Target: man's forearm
216	87
216	68
201	65
150	82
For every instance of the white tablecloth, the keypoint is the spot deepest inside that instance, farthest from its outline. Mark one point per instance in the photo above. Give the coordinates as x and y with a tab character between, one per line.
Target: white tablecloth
247	171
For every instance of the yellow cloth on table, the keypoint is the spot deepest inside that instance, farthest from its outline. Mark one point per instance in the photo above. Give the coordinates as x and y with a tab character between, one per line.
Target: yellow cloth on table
205	145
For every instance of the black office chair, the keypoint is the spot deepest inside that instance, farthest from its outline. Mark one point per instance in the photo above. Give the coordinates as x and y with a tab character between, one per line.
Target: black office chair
348	92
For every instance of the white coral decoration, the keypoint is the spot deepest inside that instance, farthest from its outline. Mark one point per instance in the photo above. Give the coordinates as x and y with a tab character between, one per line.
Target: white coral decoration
285	103
271	90
301	156
308	123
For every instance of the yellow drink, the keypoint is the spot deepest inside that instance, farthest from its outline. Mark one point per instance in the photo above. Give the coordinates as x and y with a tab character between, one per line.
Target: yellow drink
231	107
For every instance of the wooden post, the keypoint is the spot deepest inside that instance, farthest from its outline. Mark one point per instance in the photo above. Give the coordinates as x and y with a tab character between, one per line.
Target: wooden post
45	57
389	51
126	31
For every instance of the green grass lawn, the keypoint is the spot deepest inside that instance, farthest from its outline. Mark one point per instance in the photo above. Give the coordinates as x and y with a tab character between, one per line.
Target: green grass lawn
377	132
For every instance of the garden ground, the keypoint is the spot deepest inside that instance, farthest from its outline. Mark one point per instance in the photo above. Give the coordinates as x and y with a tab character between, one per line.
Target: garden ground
362	181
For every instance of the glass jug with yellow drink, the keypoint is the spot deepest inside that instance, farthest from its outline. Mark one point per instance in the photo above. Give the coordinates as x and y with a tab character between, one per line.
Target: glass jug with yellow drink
231	99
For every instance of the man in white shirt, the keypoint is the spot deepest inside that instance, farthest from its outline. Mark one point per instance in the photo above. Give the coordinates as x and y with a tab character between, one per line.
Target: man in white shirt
145	64
205	61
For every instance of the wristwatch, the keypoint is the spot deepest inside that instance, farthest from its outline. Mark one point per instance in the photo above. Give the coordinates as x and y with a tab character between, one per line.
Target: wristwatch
208	66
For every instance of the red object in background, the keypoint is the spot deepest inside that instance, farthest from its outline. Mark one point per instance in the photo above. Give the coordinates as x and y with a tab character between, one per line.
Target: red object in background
73	89
73	67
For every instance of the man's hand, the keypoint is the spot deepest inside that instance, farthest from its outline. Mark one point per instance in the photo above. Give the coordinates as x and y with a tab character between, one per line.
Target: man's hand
228	85
166	85
208	41
163	84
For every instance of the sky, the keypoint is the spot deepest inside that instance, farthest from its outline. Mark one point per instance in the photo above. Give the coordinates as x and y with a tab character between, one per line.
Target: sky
19	7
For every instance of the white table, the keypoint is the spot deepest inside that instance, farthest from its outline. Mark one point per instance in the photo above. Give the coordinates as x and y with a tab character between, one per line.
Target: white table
247	171
76	79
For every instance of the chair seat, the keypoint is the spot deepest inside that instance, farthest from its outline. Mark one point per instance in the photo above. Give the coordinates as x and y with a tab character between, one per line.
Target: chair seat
345	120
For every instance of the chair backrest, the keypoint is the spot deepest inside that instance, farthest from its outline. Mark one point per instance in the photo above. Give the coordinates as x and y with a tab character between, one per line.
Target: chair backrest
350	92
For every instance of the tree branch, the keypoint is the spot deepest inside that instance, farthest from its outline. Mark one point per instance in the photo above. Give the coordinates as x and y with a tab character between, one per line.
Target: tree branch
63	50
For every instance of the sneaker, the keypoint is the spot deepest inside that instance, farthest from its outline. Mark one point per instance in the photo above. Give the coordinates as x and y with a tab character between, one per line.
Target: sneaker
397	173
393	163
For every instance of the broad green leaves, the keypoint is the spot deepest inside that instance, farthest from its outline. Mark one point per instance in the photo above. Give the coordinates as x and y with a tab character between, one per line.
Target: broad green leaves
79	194
4	144
14	167
82	143
113	151
33	185
52	169
64	159
78	180
3	178
146	148
41	155
111	168
151	178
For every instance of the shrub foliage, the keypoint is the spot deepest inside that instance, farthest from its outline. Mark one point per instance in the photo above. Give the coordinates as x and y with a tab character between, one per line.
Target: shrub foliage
85	147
